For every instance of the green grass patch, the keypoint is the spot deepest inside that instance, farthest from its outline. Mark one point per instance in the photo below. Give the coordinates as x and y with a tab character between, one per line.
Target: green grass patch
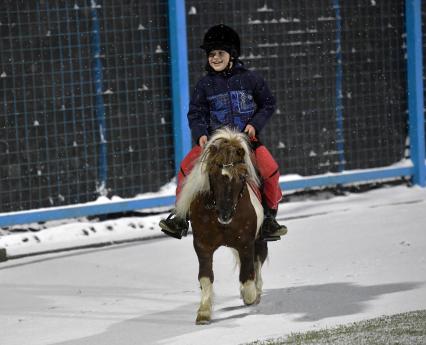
401	329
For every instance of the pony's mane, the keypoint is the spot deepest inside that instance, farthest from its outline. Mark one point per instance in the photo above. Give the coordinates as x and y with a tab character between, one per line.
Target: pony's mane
198	180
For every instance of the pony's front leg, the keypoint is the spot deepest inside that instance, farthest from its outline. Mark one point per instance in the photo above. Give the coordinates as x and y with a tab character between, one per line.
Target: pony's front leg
247	275
204	313
205	277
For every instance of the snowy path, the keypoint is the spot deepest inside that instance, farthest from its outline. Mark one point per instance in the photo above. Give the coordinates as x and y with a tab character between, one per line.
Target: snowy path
344	259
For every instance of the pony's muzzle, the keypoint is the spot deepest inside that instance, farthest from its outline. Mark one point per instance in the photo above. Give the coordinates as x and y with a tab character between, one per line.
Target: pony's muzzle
224	221
224	215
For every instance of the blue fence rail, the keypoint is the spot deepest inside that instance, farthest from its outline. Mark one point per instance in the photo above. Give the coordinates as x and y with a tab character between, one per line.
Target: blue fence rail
180	85
416	120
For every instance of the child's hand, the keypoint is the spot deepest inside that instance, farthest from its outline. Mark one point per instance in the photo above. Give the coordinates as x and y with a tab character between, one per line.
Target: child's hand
202	141
250	130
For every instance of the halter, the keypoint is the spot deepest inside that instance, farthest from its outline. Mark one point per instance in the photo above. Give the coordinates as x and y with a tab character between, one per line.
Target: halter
240	195
230	165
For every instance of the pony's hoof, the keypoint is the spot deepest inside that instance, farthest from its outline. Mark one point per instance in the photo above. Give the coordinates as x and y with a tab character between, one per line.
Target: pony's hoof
257	301
249	303
202	320
248	292
250	300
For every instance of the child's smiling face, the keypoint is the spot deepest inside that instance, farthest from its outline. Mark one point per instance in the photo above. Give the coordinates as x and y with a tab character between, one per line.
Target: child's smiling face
218	60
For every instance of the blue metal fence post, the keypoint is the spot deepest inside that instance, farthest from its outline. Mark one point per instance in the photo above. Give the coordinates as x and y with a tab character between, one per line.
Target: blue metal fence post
415	89
340	140
100	108
179	76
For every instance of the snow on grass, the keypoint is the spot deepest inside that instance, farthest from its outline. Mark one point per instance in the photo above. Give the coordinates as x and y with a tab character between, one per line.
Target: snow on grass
402	329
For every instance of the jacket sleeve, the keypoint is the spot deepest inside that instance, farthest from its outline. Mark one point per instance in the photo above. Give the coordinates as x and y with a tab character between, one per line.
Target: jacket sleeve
198	113
265	103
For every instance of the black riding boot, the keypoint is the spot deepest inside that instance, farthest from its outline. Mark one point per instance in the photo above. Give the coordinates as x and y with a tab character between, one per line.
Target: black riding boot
174	226
271	230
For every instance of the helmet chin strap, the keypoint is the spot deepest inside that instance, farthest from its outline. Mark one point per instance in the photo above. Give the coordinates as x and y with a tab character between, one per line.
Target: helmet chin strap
229	65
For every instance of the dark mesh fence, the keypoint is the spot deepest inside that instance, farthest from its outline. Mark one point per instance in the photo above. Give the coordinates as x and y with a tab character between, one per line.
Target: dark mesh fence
49	116
86	112
137	95
375	84
337	69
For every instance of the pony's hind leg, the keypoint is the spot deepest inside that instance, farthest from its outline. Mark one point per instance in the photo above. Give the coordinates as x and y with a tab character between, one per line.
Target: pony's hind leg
260	254
248	292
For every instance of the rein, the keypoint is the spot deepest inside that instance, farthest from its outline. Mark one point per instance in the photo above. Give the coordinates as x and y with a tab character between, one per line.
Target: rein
240	195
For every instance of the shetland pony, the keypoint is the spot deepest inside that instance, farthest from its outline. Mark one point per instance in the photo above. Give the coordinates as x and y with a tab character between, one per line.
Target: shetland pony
219	198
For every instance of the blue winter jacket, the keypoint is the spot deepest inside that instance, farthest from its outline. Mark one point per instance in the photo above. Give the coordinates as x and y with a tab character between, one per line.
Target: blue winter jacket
234	98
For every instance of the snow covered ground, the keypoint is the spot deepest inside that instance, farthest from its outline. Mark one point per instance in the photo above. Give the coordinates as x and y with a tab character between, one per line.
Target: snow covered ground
345	259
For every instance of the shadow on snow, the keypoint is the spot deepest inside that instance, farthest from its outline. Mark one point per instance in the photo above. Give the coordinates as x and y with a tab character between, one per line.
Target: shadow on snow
309	303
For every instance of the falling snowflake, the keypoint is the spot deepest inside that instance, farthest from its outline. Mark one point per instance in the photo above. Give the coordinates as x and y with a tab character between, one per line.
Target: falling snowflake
159	50
141	27
192	10
143	88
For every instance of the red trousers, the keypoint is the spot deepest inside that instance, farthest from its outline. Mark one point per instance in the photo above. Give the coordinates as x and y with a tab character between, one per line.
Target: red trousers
265	163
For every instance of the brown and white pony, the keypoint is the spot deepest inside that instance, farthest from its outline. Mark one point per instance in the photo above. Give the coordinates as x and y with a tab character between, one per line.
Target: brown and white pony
219	198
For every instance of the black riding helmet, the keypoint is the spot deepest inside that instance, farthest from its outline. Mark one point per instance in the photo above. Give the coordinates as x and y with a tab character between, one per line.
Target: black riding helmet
222	37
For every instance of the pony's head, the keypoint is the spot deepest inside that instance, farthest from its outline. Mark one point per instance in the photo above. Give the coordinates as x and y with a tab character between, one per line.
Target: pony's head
227	175
222	170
